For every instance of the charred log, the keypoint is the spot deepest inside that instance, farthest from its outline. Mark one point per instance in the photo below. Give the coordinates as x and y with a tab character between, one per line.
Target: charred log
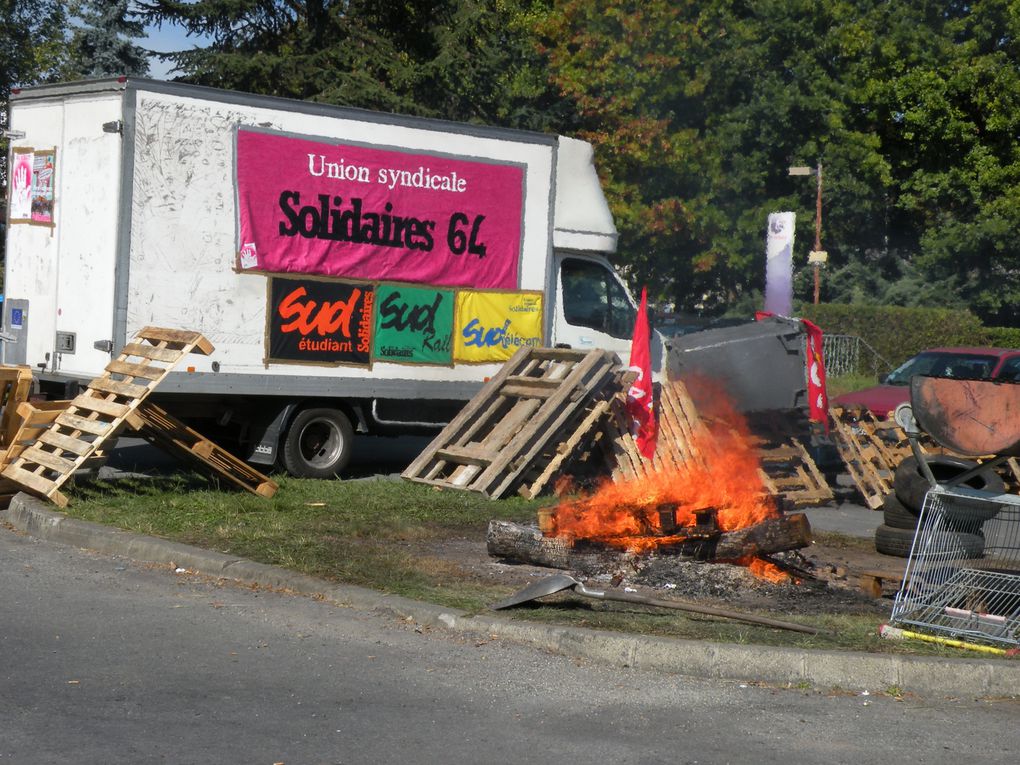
526	544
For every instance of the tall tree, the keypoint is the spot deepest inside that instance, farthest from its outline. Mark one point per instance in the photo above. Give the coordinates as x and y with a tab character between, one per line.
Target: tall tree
456	59
697	109
102	45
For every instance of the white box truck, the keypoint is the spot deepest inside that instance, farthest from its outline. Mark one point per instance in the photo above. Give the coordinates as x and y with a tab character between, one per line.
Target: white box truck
354	270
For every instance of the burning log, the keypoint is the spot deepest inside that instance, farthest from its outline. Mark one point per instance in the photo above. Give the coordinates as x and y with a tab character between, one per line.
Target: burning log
528	545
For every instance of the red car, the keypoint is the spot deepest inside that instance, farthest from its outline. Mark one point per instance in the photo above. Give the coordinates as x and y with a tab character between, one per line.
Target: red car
966	363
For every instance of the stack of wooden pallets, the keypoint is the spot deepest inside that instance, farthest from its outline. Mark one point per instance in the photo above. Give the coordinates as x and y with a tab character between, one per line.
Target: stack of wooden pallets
555	411
872	449
47	442
679	429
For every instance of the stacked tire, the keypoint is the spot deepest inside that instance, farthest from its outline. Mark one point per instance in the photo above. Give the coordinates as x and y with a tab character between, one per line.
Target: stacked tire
901	509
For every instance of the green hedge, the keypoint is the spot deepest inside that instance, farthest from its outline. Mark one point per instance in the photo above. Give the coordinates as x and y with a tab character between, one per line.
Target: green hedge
898	333
1003	337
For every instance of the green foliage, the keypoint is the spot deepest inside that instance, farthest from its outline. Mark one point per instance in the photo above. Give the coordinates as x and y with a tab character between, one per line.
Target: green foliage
1003	337
886	281
898	333
453	59
33	47
102	45
697	110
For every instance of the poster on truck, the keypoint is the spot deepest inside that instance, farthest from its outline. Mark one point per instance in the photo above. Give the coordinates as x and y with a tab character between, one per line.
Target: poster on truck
22	163
413	325
43	165
492	326
330	208
315	321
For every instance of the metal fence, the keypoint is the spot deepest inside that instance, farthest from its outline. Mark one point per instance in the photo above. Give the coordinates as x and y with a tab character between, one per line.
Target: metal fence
850	354
963	575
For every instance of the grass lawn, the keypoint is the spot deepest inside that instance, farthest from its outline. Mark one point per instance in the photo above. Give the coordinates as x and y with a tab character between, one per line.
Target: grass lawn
383	533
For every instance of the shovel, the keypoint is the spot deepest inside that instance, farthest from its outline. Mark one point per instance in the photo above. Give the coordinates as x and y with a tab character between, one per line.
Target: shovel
560	582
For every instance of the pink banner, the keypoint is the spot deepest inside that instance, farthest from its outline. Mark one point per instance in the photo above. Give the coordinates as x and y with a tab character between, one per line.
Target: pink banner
310	207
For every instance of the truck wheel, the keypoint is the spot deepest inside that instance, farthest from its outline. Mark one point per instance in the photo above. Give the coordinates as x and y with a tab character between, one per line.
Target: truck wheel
318	443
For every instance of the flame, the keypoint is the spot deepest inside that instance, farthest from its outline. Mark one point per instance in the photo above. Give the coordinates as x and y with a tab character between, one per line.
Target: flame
723	474
765	569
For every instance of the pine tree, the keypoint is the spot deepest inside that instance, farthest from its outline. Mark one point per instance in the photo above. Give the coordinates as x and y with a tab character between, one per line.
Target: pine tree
103	45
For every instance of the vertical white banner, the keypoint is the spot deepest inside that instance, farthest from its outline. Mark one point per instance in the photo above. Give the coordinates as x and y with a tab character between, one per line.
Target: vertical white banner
779	264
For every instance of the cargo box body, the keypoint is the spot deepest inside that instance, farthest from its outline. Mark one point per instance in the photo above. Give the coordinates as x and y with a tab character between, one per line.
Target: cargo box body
155	191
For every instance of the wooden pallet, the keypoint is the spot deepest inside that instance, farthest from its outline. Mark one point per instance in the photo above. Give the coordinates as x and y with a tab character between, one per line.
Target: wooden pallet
571	452
789	471
680	427
868	451
15	385
526	408
787	468
165	431
96	416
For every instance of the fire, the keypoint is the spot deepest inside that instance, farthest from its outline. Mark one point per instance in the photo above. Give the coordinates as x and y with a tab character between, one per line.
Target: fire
725	476
765	569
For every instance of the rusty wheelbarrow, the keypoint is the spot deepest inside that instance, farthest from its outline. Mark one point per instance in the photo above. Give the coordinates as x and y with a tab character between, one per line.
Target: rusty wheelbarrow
971	417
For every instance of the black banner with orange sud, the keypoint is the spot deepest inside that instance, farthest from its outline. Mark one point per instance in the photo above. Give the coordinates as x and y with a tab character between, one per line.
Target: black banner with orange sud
319	322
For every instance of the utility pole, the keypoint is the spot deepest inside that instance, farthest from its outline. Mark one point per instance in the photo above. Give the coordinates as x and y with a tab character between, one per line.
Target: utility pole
817	257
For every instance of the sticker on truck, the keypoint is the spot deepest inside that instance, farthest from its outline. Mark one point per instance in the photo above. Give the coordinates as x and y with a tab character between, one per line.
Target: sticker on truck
315	321
492	326
413	325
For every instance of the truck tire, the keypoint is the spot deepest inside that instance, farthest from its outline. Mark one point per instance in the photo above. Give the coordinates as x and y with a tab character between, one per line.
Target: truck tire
896	515
897	542
911	487
318	443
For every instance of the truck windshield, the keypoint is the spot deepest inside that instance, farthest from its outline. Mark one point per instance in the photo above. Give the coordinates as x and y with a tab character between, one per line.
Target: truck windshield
592	297
968	366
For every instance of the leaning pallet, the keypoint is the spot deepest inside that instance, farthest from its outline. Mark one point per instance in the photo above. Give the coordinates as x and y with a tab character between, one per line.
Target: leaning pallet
100	412
790	472
497	437
165	431
869	458
573	451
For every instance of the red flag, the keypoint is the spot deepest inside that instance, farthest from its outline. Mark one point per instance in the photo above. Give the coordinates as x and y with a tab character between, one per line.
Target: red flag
818	399
640	400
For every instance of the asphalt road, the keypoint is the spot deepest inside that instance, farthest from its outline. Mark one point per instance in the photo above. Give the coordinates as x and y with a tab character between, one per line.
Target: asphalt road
104	661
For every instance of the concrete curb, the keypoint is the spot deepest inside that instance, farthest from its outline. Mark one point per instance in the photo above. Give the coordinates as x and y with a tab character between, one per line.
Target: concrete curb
852	671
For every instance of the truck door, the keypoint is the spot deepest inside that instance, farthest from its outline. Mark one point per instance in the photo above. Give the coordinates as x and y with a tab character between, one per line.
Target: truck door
594	309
